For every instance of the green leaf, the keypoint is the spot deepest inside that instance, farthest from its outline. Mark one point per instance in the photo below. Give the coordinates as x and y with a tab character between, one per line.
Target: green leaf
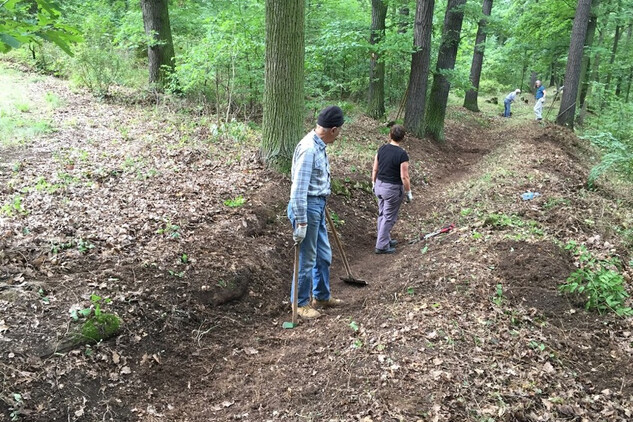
10	41
58	40
10	4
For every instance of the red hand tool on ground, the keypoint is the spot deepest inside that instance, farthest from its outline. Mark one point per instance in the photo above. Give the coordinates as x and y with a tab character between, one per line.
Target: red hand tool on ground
445	229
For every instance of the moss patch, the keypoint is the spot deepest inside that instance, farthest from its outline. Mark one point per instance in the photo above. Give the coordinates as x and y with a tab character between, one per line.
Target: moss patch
100	327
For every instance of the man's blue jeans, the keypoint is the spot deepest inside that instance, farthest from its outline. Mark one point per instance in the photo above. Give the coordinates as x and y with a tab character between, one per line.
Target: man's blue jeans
315	254
506	112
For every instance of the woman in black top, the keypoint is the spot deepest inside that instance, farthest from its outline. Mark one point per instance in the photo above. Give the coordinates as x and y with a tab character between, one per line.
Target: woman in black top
390	178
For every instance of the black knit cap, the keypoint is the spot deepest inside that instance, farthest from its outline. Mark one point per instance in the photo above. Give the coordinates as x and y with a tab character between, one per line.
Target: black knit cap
330	117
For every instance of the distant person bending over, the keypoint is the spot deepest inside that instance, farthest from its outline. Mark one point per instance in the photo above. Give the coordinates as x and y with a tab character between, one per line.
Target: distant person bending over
390	178
540	100
508	101
306	211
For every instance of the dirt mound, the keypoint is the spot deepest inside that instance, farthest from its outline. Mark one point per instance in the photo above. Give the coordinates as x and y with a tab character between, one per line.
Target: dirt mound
532	273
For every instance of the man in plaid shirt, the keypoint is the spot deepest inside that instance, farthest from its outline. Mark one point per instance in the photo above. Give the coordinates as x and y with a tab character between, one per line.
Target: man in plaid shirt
306	211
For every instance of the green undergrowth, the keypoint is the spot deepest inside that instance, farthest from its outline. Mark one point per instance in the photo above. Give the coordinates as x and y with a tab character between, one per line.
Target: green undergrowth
20	120
488	208
598	282
96	325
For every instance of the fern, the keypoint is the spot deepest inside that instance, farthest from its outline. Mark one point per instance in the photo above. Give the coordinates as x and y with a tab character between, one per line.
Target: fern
618	156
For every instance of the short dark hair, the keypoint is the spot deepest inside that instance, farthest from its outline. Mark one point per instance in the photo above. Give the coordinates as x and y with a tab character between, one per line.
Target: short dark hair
396	133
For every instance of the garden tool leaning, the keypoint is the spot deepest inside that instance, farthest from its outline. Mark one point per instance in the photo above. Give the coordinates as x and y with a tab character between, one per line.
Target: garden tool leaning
350	278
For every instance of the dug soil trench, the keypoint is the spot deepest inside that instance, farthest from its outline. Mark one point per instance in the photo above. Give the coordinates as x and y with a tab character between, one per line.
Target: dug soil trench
183	229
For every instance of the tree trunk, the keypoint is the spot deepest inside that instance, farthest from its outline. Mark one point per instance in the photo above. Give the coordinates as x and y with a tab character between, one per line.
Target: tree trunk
630	73
572	72
552	71
438	99
614	51
161	50
628	85
376	101
282	123
595	76
403	19
533	78
420	65
470	100
586	59
618	85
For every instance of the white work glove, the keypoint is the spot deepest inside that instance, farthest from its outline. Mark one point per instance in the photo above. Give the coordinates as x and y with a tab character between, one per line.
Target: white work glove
408	196
299	233
373	187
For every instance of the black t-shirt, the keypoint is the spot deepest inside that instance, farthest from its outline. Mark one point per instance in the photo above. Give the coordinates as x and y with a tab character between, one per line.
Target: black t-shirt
389	159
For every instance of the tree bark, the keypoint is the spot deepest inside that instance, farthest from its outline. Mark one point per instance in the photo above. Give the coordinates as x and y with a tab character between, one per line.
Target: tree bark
438	99
376	100
470	100
627	46
628	85
630	72
595	76
586	59
572	72
420	65
161	50
403	19
552	72
282	123
614	51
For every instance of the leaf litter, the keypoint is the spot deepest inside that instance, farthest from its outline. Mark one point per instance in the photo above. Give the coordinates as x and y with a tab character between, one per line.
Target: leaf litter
433	339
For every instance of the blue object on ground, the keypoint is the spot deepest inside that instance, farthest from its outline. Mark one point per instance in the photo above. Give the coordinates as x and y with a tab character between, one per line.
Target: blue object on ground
529	195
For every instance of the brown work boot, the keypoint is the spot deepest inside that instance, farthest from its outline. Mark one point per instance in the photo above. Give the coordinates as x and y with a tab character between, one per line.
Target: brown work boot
308	312
329	303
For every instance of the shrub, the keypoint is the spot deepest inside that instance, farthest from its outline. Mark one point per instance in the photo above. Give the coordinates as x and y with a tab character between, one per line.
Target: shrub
598	282
618	156
97	63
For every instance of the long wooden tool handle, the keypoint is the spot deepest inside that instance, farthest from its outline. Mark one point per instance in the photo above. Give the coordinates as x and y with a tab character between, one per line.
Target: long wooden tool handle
338	243
295	286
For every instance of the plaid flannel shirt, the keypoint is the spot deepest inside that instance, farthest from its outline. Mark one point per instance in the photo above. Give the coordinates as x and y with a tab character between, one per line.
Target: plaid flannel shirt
310	174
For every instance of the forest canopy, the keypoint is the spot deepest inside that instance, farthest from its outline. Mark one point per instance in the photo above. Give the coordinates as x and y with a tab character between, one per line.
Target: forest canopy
214	54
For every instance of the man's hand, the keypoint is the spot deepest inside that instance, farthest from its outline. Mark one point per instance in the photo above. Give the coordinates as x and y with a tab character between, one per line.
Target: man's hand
409	196
300	233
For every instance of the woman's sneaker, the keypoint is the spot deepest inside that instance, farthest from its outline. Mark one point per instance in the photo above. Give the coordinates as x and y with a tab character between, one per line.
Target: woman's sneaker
388	250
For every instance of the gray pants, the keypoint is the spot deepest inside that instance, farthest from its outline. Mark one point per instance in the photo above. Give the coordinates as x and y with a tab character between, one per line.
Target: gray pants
390	197
538	108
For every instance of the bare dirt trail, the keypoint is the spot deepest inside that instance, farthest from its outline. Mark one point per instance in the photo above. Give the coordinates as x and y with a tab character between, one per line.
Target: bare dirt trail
137	206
